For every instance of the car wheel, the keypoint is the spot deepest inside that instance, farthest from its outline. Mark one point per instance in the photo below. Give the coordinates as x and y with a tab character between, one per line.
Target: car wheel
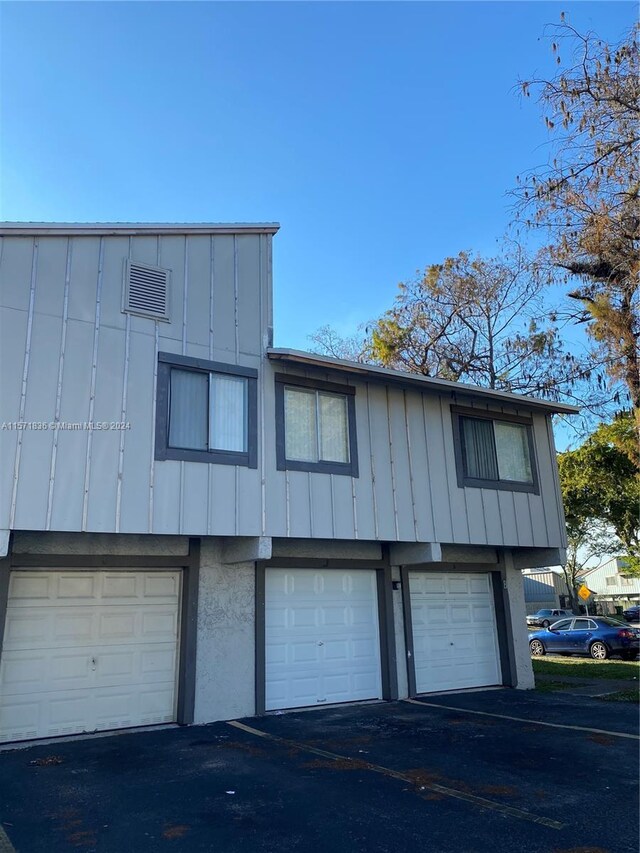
545	623
537	649
598	651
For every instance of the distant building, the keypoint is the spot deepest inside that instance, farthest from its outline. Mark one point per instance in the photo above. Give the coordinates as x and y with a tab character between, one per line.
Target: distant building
612	591
544	588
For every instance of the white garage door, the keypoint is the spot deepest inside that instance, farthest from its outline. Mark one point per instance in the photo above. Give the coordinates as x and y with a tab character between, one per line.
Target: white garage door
87	651
322	637
454	631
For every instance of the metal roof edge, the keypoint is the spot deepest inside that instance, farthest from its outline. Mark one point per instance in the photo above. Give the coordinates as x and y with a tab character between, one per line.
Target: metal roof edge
133	228
387	374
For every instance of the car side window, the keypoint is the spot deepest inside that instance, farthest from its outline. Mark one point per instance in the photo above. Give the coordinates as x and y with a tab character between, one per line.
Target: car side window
562	626
593	626
582	624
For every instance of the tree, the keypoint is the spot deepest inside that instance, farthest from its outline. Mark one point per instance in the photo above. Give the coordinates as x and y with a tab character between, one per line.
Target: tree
601	494
477	320
586	196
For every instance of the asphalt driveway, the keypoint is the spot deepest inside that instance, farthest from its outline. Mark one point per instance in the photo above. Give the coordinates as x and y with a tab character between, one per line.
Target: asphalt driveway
467	773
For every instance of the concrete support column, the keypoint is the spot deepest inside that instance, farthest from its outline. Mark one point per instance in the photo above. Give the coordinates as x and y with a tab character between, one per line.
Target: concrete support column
398	628
225	660
516	623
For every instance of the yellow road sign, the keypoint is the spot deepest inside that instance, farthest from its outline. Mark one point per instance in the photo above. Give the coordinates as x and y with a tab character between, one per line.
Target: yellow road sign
584	592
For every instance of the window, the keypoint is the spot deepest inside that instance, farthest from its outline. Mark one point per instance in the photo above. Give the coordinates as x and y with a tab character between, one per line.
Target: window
611	581
564	625
315	426
206	411
494	451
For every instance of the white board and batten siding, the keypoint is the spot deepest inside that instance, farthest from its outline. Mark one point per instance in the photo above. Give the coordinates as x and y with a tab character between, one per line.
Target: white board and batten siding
454	631
88	651
322	638
68	353
407	490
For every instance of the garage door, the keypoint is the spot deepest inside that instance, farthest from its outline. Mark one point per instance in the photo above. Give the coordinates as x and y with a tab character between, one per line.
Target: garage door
322	637
454	631
87	651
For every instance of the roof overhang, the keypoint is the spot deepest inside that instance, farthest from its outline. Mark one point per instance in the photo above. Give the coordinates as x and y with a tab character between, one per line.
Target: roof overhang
371	372
45	229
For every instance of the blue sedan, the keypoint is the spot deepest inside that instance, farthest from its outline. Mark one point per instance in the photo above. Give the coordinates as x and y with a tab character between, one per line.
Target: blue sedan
597	636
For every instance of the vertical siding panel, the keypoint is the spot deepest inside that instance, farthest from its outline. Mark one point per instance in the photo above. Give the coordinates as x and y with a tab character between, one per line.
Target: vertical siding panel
401	466
342	500
116	251
76	389
59	380
92	390
457	496
547	500
419	466
223	500
383	485
508	518
33	484
198	249
475	516
195	479
25	378
559	507
523	519
449	507
15	272
103	479
538	521
299	504
322	504
223	300
40	403
13	334
52	261
84	277
249	515
166	501
136	472
492	516
364	513
275	490
248	281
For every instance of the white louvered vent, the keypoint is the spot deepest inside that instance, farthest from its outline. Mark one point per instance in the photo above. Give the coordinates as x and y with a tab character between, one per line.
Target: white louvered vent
146	291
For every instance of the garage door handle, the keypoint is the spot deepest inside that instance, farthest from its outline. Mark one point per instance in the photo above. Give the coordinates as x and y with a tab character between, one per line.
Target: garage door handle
320	643
94	663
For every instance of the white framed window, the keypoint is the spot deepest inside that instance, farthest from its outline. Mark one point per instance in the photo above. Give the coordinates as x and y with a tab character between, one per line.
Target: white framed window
494	451
206	411
315	426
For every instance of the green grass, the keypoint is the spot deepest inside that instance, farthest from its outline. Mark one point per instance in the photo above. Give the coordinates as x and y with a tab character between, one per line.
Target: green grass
622	696
552	686
586	668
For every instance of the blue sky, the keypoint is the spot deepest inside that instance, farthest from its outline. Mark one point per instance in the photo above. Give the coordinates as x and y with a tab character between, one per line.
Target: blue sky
383	136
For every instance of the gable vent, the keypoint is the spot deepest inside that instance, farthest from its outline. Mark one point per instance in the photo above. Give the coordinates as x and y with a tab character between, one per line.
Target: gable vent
146	291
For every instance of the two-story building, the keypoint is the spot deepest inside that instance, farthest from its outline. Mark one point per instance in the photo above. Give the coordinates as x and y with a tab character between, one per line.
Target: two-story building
612	590
196	526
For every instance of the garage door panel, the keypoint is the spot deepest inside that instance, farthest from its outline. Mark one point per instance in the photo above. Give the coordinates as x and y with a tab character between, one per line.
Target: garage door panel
326	648
455	639
86	664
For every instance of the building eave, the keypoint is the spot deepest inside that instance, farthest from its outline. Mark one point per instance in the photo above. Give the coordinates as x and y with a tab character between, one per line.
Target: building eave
372	372
46	229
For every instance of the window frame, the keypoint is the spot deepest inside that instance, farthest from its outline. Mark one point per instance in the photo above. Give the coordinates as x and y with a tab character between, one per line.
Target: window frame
350	469
163	451
464	481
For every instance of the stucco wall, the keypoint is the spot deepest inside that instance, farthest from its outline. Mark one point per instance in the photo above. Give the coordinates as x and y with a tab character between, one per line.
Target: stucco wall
517	615
398	628
225	658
